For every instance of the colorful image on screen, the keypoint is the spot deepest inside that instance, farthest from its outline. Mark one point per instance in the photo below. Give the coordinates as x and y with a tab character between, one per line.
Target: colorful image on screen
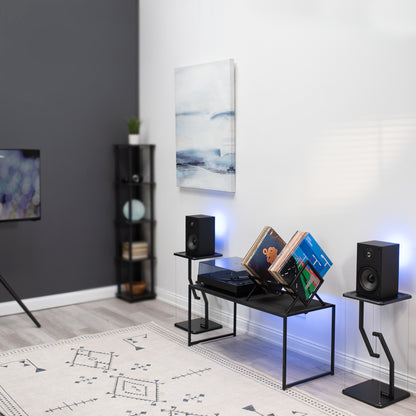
19	185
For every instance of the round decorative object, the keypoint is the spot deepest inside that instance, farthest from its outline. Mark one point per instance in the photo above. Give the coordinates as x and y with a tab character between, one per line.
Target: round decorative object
138	210
136	178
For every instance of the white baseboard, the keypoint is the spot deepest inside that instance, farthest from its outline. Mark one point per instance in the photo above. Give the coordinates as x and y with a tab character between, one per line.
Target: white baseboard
54	301
255	328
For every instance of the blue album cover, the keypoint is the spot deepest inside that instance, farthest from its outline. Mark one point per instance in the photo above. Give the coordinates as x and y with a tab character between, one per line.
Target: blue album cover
310	278
310	249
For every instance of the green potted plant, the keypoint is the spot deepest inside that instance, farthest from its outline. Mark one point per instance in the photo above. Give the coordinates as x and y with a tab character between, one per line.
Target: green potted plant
133	124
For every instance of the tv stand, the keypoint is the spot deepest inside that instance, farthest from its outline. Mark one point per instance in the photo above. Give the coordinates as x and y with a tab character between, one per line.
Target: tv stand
3	281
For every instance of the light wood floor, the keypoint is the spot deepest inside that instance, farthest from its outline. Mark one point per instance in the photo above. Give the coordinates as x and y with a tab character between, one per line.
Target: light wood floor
70	321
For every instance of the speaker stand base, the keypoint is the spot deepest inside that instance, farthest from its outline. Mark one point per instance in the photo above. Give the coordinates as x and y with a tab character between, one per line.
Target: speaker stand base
375	393
198	326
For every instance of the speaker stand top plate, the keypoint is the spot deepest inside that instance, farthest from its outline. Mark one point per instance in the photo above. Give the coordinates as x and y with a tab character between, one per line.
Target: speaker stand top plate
398	298
187	256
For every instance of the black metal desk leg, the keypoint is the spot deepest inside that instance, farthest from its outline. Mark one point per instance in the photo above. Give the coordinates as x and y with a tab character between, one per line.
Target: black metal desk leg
285	384
18	300
333	341
284	353
235	320
189	315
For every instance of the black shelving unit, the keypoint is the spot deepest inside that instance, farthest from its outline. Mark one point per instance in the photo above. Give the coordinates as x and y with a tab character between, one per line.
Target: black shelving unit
135	253
375	392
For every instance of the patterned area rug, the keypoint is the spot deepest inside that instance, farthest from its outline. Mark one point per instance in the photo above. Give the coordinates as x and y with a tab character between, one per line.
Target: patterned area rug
142	370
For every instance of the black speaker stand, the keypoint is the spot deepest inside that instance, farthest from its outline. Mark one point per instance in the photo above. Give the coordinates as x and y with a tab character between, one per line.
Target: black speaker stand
374	392
198	325
3	281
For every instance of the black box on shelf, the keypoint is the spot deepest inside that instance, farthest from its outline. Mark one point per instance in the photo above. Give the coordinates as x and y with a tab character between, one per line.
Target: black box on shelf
226	274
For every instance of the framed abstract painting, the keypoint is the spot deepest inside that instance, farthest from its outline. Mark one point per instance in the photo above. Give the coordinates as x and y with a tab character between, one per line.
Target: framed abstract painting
205	126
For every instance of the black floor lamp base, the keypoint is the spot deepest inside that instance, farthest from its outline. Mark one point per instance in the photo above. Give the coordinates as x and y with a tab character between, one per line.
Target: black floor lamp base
198	326
375	393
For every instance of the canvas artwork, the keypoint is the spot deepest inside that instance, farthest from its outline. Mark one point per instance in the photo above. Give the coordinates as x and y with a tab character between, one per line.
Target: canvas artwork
205	126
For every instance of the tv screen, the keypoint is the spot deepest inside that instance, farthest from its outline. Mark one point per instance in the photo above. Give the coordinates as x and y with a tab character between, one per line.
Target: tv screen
19	184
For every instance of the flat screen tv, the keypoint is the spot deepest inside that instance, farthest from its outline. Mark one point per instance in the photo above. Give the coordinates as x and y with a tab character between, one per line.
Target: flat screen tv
19	184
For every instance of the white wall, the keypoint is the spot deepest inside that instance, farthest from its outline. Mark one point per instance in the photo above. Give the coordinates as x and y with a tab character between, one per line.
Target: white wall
326	142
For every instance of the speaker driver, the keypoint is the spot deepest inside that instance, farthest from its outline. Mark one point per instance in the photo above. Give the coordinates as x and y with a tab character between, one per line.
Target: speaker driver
192	243
368	279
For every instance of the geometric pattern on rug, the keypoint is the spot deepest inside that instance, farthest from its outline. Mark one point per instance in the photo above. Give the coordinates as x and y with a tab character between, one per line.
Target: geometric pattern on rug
144	370
93	359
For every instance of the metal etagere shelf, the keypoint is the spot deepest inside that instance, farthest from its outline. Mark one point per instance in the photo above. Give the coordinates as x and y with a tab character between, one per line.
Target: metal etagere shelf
134	180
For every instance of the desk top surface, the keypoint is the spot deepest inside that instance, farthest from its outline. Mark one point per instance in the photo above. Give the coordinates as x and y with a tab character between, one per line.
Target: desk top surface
280	304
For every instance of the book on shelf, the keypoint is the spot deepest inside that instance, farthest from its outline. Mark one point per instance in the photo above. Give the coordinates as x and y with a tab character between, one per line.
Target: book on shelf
126	256
135	244
301	266
262	254
139	250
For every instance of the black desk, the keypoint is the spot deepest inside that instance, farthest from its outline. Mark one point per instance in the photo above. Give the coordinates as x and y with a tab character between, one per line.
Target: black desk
279	305
374	392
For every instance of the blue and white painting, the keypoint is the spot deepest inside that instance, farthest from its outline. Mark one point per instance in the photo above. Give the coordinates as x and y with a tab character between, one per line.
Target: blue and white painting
205	126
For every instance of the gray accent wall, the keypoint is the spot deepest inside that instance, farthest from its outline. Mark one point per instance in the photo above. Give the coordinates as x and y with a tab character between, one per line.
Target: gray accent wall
68	82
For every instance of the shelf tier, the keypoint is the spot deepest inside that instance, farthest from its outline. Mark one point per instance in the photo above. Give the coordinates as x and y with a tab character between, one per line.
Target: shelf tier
135	298
125	222
188	256
122	260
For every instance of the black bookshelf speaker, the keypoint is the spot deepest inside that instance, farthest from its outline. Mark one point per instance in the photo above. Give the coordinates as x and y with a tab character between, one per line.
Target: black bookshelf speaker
377	270
200	235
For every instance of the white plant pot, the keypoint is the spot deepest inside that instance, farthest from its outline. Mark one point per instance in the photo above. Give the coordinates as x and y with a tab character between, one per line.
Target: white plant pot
134	139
